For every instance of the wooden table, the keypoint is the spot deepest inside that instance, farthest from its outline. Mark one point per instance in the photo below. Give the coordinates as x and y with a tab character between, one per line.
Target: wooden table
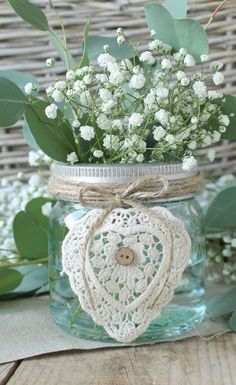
190	362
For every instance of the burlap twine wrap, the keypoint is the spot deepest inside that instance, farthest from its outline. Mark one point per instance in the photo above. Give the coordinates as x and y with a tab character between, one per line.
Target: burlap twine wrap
143	189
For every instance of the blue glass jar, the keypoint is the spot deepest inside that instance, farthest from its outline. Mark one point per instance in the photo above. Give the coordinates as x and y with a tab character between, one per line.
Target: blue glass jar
187	307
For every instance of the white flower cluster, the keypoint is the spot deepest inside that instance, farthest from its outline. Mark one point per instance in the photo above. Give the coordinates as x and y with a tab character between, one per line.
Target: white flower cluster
144	110
14	195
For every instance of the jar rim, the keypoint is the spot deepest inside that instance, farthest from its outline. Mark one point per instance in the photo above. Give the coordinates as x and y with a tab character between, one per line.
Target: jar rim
119	172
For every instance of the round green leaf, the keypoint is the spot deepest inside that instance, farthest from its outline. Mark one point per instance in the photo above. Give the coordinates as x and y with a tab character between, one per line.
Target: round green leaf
221	214
31	13
232	321
30	229
12	103
53	136
9	280
223	304
29	139
177	9
184	33
19	78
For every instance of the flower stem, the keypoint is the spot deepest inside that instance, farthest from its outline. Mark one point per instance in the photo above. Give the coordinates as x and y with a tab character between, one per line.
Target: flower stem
17	264
218	8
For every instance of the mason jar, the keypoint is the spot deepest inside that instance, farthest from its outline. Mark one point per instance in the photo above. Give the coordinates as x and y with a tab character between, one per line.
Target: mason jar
187	307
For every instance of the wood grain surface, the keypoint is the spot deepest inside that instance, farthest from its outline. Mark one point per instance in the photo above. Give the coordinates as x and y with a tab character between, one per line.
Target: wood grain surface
190	362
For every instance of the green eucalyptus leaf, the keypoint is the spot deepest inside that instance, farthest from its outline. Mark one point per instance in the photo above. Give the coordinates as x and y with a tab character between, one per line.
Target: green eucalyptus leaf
232	321
228	106
95	46
35	276
223	304
85	59
29	139
19	78
9	280
221	214
177	9
30	229
62	51
31	13
12	103
184	33
53	136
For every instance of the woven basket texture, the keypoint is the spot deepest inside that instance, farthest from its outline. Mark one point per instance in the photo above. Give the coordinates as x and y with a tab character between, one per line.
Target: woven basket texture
24	48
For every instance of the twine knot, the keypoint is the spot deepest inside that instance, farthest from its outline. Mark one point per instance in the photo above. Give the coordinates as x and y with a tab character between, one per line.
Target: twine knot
130	194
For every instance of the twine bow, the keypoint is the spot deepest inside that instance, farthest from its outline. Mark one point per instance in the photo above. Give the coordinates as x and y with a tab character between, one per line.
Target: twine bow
129	194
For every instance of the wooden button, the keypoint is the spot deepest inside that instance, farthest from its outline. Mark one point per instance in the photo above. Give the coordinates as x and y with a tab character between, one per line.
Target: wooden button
125	256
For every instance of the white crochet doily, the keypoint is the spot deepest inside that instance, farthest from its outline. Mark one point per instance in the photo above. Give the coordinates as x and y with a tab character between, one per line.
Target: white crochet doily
125	299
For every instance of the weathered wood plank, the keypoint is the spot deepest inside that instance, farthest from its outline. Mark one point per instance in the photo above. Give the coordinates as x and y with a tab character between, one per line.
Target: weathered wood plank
6	371
190	362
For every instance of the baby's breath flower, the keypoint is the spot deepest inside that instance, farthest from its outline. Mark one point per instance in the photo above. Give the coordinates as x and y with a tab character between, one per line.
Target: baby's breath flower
211	155
70	75
87	132
218	78
192	145
51	111
116	78
147	57
76	123
104	59
213	95
162	116
72	158
108	106
46	209
60	85
166	64
185	82
204	58
180	75
86	98
224	120
159	133
111	142
98	153
189	163
57	96
140	158
29	88
50	62
200	89
120	31
137	81
189	61
162	92
170	139
152	33
87	79
216	66
103	122
106	48
136	119
49	90
120	39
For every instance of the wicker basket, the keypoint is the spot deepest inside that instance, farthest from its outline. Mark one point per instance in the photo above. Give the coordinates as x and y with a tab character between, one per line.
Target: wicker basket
26	49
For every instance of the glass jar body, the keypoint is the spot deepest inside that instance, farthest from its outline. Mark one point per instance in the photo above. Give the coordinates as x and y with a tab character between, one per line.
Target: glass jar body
187	307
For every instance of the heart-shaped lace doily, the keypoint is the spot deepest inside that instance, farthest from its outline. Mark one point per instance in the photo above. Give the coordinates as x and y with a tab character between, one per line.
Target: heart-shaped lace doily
124	297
